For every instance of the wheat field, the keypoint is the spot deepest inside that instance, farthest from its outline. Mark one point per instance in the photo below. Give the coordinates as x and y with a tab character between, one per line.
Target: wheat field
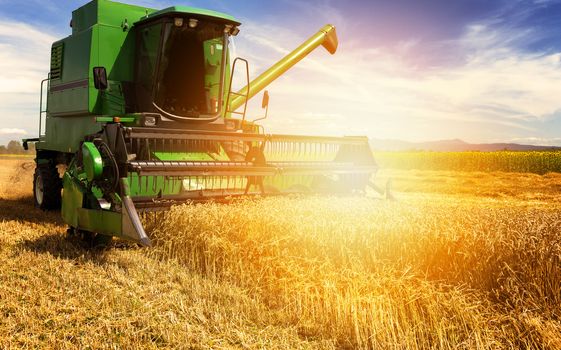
537	162
458	261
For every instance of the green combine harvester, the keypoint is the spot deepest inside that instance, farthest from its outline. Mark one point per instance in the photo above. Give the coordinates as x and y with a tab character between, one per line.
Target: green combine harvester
140	114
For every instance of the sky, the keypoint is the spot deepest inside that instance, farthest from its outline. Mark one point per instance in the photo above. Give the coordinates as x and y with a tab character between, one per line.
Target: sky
414	70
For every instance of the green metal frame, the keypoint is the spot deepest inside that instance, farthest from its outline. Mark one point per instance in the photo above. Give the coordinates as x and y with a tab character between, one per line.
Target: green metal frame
93	164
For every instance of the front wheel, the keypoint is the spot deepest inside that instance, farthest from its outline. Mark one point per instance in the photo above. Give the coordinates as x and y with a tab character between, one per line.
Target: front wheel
46	187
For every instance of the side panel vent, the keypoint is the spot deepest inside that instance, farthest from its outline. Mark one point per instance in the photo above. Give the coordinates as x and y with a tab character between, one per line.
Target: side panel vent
56	61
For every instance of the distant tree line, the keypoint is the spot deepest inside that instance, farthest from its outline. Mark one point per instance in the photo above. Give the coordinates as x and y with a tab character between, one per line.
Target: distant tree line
15	147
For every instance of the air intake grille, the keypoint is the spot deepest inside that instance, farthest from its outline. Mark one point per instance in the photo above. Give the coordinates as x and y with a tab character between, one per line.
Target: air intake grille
56	61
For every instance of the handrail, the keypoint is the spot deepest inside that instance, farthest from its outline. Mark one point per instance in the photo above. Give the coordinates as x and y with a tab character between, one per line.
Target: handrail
238	94
41	111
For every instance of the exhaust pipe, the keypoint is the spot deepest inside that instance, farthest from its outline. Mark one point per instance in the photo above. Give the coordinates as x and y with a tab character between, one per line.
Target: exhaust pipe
326	37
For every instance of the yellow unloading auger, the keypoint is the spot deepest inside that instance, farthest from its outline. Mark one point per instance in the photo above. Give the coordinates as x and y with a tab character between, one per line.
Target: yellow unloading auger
149	122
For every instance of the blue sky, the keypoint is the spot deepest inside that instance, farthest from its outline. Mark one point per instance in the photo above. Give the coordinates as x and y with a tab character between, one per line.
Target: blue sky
478	70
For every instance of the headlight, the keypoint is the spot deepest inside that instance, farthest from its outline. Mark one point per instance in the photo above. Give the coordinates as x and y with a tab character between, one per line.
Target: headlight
179	22
193	22
149	120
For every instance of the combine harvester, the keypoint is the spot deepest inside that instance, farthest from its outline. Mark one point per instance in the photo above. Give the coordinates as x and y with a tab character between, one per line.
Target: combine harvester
140	113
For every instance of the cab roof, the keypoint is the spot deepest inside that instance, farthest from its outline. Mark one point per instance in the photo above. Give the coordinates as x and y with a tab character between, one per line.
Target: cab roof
187	10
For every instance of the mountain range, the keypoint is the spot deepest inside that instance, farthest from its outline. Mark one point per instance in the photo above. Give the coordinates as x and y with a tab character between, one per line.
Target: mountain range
454	145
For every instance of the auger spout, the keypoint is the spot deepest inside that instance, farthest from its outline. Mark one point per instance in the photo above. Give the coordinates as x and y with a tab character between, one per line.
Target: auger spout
326	36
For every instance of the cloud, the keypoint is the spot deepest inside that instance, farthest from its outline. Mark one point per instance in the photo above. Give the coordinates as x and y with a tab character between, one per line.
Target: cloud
497	91
24	62
12	131
538	141
24	56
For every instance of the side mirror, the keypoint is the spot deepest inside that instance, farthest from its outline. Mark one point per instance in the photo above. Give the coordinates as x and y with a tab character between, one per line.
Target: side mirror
100	78
264	105
265	102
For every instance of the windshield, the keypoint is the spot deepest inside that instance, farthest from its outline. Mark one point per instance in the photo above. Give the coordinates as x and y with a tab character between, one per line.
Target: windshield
190	70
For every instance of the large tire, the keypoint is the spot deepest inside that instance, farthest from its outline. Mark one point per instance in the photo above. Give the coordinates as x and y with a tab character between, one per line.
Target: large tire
46	187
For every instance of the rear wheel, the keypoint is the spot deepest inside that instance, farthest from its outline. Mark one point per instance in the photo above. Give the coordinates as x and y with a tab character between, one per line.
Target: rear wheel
46	187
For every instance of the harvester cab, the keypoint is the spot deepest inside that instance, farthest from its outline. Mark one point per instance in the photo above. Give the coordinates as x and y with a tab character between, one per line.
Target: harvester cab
140	114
